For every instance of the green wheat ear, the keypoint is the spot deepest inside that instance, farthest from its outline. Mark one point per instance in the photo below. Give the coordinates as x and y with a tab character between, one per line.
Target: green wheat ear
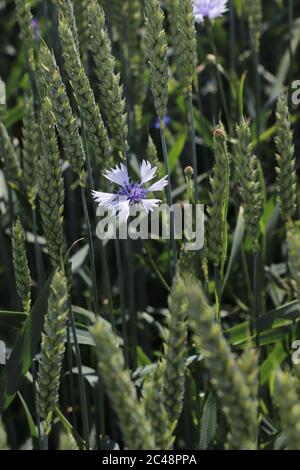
82	22
219	195
176	352
110	88
50	187
289	408
24	17
236	397
52	350
66	122
186	44
155	409
156	46
89	110
22	273
286	162
31	150
136	428
250	186
66	9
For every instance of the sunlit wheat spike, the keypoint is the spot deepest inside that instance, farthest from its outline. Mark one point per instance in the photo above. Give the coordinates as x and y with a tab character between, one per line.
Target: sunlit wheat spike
186	44
51	188
249	179
156	46
9	160
289	408
228	379
248	363
25	18
155	409
31	150
253	10
136	428
173	16
66	122
66	8
22	273
110	88
52	350
219	194
286	162
82	23
176	352
89	110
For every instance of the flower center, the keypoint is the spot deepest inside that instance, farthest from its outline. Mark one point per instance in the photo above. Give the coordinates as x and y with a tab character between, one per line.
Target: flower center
134	192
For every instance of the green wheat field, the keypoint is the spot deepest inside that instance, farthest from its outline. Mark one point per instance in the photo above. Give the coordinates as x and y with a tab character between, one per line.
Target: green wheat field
146	344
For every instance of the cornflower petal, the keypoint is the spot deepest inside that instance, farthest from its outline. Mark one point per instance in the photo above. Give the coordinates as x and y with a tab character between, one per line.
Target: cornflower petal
158	185
147	172
119	175
150	204
104	198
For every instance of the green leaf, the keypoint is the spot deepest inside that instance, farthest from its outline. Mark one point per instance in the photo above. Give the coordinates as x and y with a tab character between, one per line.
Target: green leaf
176	150
266	324
273	361
70	429
208	421
236	245
23	350
31	424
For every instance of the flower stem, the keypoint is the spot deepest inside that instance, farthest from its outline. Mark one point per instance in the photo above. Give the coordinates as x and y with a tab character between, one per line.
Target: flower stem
169	192
122	299
193	143
155	267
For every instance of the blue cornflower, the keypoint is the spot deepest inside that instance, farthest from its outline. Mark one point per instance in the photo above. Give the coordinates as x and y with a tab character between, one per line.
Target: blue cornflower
128	193
209	9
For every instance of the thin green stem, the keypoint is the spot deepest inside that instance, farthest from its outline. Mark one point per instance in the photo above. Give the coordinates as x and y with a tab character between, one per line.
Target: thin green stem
218	291
37	251
193	143
219	78
122	299
155	267
91	252
291	20
71	378
169	192
256	289
255	56
82	391
232	36
38	421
